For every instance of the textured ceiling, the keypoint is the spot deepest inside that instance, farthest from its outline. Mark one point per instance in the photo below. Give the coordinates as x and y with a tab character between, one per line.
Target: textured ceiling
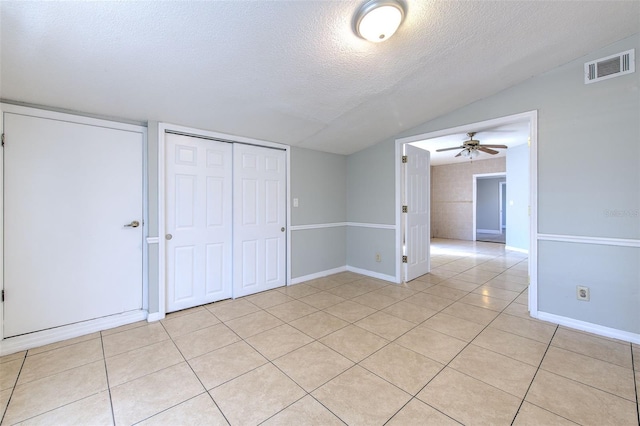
289	71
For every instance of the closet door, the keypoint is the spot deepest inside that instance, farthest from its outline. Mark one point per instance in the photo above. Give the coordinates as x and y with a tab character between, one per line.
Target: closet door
198	221
72	221
259	206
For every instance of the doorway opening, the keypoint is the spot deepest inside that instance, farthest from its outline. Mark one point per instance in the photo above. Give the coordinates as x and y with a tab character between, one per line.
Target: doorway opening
488	223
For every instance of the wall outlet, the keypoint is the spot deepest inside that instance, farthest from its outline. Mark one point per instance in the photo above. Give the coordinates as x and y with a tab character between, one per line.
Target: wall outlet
582	293
295	202
378	258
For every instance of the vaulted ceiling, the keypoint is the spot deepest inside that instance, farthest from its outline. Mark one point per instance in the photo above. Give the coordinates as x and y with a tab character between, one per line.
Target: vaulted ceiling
289	71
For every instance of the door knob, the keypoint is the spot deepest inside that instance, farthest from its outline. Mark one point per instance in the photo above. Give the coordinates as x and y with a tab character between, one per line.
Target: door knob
168	236
282	229
133	224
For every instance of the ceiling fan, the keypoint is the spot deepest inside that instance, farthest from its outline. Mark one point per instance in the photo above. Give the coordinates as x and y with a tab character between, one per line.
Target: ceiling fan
472	148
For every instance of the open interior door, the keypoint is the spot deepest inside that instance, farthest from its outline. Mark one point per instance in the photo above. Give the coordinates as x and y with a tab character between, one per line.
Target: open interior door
417	220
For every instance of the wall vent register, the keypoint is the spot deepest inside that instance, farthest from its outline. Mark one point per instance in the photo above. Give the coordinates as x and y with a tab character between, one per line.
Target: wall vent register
609	67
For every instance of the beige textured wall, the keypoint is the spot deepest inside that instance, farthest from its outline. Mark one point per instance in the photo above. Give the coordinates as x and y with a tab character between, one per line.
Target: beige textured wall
452	196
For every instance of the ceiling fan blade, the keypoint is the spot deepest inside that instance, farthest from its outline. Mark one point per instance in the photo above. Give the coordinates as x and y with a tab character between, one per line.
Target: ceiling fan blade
487	150
459	154
449	149
495	146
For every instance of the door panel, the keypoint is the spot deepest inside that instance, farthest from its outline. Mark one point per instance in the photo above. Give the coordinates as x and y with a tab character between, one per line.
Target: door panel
69	191
418	219
260	212
199	219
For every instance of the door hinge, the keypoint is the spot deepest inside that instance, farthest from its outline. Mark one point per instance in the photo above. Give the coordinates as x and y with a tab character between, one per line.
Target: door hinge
3	139
404	159
3	295
404	259
529	141
405	209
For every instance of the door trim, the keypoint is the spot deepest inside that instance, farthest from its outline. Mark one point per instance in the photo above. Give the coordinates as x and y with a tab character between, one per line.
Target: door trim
163	128
475	198
532	117
67	331
502	207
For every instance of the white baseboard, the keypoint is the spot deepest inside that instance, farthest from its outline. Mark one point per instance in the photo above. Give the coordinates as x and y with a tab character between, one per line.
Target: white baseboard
372	274
156	316
519	250
317	275
488	231
590	327
45	337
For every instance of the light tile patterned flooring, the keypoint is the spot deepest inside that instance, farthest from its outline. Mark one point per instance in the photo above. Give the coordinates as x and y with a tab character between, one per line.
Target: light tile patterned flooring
455	346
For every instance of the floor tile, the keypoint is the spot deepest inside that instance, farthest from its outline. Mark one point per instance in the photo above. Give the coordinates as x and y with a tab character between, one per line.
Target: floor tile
459	284
125	327
531	415
134	338
140	362
269	299
454	326
504	284
266	390
536	330
396	291
446	292
497	293
593	346
9	373
432	344
324	283
402	367
39	396
201	411
518	310
93	410
304	412
345	277
523	298
252	324
222	365
468	400
68	342
278	341
139	399
348	291
350	311
13	357
313	365
470	313
580	403
590	371
290	311
429	301
375	301
385	325
4	399
298	291
186	324
322	300
410	312
206	340
319	324
497	370
357	396
417	413
354	342
511	345
55	361
419	285
485	302
232	309
183	312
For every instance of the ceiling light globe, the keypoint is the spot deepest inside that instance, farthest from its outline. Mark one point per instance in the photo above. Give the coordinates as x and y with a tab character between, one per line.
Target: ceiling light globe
378	20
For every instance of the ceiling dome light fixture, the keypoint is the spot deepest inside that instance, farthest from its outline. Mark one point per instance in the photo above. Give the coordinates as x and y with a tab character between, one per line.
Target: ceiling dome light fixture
377	20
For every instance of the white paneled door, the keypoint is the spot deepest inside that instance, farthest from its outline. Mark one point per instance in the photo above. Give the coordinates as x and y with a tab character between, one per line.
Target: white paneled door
198	221
72	222
259	209
418	219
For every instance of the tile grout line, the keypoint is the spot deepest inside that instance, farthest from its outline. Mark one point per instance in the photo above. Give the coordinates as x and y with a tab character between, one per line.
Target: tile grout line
106	373
13	388
635	382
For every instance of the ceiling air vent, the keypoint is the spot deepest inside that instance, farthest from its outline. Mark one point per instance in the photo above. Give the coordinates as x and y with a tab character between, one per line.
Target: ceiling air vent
609	67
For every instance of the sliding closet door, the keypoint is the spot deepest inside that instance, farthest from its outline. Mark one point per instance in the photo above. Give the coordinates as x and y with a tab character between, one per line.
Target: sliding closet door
259	203
198	221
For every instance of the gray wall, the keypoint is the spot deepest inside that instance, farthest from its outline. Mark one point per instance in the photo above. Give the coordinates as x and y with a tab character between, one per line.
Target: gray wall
152	226
518	197
488	203
588	180
318	180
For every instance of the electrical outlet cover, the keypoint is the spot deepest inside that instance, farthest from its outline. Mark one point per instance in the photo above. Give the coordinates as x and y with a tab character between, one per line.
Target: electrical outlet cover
582	293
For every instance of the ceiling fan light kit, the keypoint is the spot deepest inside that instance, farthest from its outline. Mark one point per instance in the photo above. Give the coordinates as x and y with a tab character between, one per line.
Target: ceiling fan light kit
377	20
471	149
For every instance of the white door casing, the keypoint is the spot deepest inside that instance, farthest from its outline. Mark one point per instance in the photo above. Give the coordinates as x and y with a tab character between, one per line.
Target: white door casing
198	221
417	174
69	191
259	226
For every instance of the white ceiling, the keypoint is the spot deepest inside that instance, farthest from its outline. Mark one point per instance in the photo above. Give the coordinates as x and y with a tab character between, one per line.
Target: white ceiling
289	71
511	135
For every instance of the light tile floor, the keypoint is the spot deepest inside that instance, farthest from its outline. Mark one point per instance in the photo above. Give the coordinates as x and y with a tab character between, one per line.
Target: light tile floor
453	347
